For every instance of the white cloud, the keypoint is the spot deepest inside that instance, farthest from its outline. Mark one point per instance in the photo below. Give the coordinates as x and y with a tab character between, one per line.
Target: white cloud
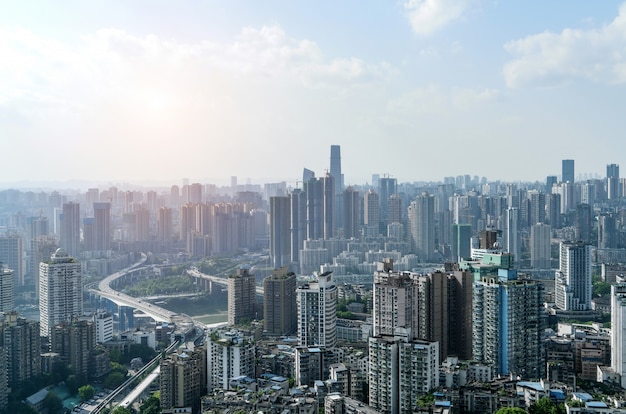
428	16
548	59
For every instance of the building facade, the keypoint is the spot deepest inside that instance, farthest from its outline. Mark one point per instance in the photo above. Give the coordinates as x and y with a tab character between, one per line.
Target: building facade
317	312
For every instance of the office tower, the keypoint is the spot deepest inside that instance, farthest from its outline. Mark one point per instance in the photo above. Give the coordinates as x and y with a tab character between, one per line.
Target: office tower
511	233
11	254
307	175
314	211
540	252
387	187
573	283
280	231
241	297
607	231
60	290
69	239
618	331
421	214
7	290
567	171
335	172
371	213
102	226
550	181
328	206
20	338
74	341
165	225
279	303
317	312
401	371
612	181
351	213
183	378
461	241
230	354
584	218
298	219
507	334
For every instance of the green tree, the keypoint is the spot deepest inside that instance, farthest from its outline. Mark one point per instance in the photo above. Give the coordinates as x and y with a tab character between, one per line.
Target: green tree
121	410
114	380
86	392
52	403
151	406
511	410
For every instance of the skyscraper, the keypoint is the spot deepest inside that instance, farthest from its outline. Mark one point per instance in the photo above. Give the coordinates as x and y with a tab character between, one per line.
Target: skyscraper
351	212
371	213
183	378
421	214
511	233
164	224
7	290
11	254
335	172
102	226
280	231
298	199
461	241
387	187
540	234
279	303
567	171
60	290
573	283
241	297
618	331
329	199
317	312
612	181
69	239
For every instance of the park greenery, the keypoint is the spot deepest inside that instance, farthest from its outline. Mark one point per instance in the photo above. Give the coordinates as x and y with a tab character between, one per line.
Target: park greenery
167	285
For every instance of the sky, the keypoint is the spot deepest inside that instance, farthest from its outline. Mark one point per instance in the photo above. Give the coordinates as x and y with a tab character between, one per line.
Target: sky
159	91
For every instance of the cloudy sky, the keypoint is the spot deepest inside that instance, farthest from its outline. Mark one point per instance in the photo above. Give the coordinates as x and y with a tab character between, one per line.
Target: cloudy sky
158	91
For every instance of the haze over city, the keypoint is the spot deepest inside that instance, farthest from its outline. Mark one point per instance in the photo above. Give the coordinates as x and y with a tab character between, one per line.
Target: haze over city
158	91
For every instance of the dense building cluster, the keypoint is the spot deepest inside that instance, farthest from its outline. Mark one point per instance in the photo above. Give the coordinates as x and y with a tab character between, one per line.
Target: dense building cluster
465	295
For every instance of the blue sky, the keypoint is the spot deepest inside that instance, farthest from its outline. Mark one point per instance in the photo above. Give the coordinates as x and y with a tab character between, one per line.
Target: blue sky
158	91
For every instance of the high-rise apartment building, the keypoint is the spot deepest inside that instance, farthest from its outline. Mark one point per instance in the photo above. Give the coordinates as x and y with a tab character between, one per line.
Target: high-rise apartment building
183	378
20	337
7	289
401	370
329	199
507	333
567	171
351	213
298	199
387	187
573	284
607	231
280	231
421	214
280	316
618	331
335	172
434	307
317	312
371	213
241	297
75	342
540	252
102	226
230	354
60	290
12	255
165	227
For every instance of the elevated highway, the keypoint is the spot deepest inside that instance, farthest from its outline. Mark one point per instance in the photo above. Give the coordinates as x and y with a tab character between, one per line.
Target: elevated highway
222	281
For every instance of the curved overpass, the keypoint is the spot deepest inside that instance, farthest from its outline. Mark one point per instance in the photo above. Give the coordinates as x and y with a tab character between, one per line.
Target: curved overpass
194	272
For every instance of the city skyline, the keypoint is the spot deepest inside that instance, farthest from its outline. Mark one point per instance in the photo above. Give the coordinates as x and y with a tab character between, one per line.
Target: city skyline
210	90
